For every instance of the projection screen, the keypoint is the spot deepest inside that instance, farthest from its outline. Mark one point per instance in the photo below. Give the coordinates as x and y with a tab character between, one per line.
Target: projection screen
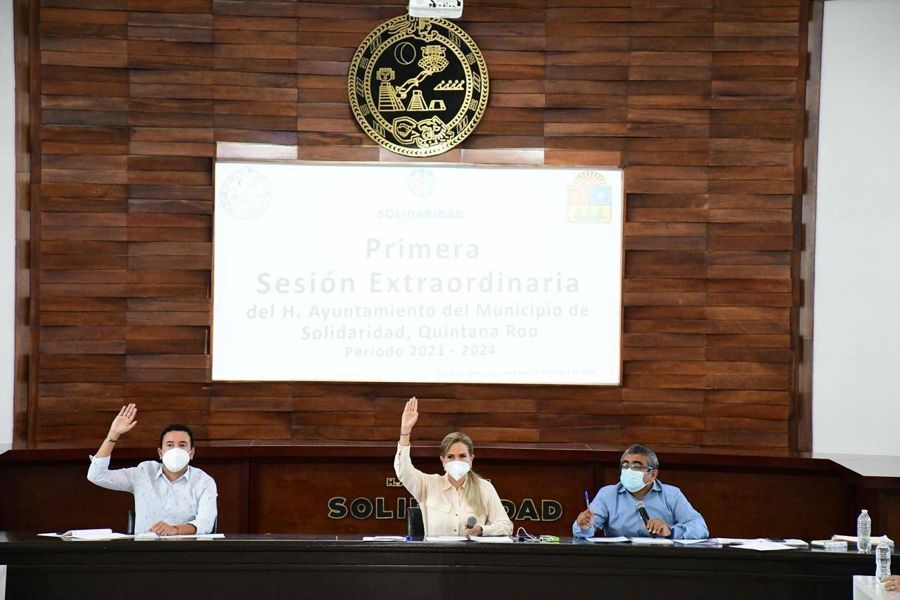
457	274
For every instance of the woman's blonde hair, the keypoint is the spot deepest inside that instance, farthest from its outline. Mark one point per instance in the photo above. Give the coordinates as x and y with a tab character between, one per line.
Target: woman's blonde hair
472	489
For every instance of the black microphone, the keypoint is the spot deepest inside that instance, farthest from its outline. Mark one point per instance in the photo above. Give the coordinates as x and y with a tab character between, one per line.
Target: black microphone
470	522
644	516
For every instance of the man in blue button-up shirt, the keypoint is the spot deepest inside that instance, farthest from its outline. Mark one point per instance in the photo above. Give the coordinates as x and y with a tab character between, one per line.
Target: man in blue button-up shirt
615	508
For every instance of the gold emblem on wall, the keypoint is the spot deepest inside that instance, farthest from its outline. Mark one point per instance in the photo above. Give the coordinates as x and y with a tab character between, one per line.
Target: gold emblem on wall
418	87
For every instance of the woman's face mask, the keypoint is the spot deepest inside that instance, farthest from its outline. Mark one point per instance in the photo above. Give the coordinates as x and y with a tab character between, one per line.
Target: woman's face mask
457	469
457	461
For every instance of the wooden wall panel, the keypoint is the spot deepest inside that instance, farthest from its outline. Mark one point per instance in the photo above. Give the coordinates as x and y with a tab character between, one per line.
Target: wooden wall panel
699	102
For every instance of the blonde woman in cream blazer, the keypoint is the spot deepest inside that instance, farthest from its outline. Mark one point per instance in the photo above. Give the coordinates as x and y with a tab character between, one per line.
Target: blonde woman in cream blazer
449	501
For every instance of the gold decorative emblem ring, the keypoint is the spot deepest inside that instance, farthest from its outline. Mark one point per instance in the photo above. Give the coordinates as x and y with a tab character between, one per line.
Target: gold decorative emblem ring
418	87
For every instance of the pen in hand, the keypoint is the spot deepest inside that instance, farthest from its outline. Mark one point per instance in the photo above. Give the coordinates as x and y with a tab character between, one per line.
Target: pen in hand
586	518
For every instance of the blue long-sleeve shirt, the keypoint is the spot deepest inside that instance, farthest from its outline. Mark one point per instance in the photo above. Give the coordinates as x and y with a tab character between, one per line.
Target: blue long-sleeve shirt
615	513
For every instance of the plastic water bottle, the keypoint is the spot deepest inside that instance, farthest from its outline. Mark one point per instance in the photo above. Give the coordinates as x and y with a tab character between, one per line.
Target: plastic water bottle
883	560
864	532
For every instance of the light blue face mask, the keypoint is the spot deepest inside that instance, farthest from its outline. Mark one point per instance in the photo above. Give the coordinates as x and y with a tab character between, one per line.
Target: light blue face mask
632	480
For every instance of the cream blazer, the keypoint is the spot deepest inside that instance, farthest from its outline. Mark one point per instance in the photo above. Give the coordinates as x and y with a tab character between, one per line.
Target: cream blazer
444	510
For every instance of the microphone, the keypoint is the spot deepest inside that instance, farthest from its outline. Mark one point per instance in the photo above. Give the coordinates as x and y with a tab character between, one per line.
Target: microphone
470	522
643	512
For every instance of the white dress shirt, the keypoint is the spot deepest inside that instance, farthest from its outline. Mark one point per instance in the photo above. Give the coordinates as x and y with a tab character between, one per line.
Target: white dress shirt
444	509
190	499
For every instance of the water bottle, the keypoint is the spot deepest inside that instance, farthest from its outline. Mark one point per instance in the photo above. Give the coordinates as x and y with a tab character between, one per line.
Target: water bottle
883	560
864	532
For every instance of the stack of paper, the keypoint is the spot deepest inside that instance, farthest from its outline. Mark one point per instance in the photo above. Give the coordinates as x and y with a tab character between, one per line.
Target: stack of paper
88	535
729	541
656	541
740	542
763	545
97	535
192	536
635	540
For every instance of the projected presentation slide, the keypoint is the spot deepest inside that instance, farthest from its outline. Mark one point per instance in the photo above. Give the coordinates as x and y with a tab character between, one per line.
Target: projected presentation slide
327	272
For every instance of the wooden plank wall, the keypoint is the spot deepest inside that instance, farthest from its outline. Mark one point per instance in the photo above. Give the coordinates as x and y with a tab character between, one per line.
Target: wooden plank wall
700	100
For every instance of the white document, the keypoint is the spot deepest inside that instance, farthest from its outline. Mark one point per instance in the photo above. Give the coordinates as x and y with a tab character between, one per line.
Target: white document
186	536
88	535
384	538
652	541
729	541
762	545
80	533
739	541
607	540
691	542
143	537
492	539
446	538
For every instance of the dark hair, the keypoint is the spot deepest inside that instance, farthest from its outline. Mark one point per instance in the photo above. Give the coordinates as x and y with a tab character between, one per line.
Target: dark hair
652	461
176	427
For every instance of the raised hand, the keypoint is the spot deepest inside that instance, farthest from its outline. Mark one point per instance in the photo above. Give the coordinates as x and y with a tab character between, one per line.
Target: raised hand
410	416
124	422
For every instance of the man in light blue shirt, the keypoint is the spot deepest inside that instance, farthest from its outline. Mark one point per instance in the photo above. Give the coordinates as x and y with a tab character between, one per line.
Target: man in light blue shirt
171	498
615	509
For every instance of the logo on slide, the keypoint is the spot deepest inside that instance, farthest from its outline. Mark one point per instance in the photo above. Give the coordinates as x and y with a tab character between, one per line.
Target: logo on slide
420	182
246	195
590	199
418	87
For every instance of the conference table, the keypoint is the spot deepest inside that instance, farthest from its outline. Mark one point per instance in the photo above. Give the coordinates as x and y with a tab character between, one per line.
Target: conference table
297	566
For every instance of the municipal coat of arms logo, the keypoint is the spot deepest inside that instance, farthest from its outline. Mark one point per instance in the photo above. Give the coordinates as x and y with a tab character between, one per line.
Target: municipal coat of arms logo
590	199
418	87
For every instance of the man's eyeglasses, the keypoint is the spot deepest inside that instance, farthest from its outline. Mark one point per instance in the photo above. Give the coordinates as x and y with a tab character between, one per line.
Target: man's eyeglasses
636	466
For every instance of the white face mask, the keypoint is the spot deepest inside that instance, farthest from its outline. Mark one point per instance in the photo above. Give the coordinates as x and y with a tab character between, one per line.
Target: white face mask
176	459
457	469
632	480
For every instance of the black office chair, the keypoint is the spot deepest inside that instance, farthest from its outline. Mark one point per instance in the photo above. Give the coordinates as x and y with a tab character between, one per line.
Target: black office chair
415	526
129	529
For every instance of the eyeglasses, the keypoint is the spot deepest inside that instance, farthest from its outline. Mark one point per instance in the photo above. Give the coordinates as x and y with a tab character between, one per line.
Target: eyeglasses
636	466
